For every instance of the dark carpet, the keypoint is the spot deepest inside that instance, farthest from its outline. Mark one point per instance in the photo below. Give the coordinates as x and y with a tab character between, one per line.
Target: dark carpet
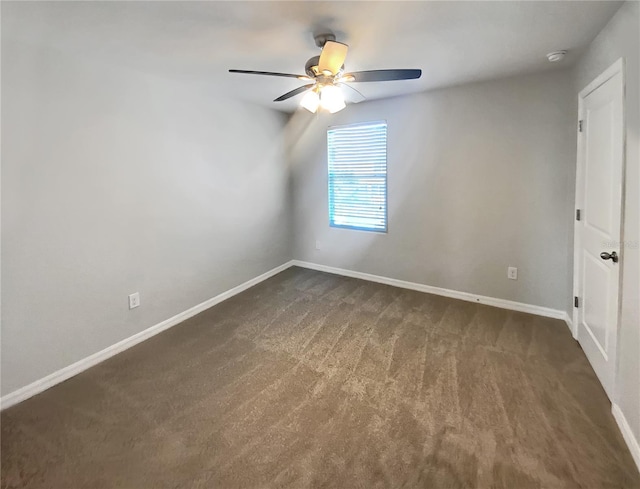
315	380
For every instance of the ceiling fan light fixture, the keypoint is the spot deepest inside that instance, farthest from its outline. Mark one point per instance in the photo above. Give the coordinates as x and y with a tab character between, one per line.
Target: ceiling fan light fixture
347	78
331	99
311	101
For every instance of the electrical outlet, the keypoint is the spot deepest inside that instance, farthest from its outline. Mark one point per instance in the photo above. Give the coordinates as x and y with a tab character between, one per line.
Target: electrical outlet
512	273
318	245
134	300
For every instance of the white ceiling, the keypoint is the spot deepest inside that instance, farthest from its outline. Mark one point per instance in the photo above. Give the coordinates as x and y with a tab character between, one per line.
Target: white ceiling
452	42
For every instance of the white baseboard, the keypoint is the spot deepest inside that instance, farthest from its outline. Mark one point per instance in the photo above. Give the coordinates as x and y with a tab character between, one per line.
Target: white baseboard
465	296
74	369
67	372
569	321
627	434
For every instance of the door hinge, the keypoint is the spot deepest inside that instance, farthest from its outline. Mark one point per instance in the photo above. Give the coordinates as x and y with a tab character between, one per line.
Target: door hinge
577	214
580	125
576	302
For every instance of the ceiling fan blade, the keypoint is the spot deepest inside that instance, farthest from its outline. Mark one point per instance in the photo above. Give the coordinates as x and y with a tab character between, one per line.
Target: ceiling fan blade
355	96
332	57
383	75
294	92
270	73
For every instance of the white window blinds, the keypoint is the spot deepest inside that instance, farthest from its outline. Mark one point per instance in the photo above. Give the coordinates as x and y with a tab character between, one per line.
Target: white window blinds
358	176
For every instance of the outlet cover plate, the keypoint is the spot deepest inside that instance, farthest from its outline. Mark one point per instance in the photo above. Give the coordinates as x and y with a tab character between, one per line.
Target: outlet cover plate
134	300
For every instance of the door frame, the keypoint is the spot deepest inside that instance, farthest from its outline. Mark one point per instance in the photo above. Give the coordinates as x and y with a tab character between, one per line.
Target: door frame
614	69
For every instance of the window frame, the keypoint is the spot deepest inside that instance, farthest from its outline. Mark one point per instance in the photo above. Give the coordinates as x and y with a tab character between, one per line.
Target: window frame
386	178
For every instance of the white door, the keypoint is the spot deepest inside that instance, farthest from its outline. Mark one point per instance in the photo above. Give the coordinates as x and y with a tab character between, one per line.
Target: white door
597	257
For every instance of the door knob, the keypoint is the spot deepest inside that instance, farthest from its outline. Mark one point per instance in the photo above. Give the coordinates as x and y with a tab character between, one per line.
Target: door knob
613	256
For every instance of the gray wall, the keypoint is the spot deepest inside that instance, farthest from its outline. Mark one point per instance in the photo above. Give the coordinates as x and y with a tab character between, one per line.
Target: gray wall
621	38
477	181
115	182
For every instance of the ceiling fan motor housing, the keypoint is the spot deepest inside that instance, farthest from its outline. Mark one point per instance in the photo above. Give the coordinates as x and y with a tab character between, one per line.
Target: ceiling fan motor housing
311	67
311	64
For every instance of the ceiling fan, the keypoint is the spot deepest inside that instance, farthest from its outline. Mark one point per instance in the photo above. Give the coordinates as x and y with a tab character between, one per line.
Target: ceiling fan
327	75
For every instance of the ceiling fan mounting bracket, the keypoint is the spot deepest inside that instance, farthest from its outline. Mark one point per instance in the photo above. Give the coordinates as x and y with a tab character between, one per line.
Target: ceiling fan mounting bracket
321	39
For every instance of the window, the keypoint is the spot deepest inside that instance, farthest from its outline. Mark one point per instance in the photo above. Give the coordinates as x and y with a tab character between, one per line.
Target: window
358	176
